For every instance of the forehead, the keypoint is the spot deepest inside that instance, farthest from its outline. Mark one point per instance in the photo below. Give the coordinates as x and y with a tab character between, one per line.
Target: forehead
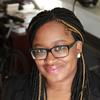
52	31
53	26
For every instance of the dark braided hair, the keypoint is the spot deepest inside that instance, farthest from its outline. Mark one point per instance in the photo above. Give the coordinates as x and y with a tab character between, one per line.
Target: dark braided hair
68	18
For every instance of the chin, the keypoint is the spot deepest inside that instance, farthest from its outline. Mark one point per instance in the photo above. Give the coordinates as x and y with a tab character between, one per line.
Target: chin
55	78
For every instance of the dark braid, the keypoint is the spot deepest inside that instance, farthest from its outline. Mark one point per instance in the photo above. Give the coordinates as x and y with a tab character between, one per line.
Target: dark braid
71	21
77	82
46	16
35	82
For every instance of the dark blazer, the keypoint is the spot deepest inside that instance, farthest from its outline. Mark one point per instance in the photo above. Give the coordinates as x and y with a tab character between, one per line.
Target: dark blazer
20	88
94	82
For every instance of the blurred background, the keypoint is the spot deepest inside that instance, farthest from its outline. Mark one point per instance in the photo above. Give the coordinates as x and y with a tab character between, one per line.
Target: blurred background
15	16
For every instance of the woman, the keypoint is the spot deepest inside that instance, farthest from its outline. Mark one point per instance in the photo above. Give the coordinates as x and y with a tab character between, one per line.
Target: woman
59	71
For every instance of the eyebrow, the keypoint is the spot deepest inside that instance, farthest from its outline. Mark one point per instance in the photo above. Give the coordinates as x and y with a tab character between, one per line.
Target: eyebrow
55	43
38	45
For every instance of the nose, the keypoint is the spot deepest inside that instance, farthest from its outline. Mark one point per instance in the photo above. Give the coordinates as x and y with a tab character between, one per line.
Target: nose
50	59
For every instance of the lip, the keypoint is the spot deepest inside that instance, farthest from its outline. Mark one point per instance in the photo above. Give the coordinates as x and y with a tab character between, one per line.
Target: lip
53	69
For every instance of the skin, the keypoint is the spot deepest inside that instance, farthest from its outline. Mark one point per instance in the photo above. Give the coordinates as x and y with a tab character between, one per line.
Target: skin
58	72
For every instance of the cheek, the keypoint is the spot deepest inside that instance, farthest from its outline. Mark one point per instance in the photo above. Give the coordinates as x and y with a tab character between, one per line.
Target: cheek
73	57
39	64
71	61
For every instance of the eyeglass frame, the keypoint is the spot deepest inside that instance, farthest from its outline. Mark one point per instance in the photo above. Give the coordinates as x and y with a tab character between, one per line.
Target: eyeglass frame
50	50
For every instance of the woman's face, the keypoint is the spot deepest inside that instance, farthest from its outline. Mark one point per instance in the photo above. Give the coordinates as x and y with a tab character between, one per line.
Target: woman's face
55	69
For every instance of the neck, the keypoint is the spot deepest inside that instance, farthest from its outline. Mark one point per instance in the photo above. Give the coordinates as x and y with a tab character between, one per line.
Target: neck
59	91
61	86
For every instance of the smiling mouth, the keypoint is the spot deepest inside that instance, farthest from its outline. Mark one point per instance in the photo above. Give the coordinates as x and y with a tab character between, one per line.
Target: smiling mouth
53	69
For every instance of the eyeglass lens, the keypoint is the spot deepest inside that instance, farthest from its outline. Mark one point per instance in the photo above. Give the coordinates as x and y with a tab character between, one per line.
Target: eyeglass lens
57	51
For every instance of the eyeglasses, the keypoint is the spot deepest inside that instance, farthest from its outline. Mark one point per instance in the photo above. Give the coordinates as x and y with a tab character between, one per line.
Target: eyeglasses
57	51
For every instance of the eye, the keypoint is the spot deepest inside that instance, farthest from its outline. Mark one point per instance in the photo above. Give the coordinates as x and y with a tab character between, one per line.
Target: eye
61	48
39	52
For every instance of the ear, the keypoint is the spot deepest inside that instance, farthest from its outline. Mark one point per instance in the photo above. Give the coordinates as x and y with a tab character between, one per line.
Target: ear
79	46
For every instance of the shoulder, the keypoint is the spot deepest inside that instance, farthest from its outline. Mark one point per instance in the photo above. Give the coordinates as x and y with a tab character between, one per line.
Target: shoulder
17	80
16	87
94	83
